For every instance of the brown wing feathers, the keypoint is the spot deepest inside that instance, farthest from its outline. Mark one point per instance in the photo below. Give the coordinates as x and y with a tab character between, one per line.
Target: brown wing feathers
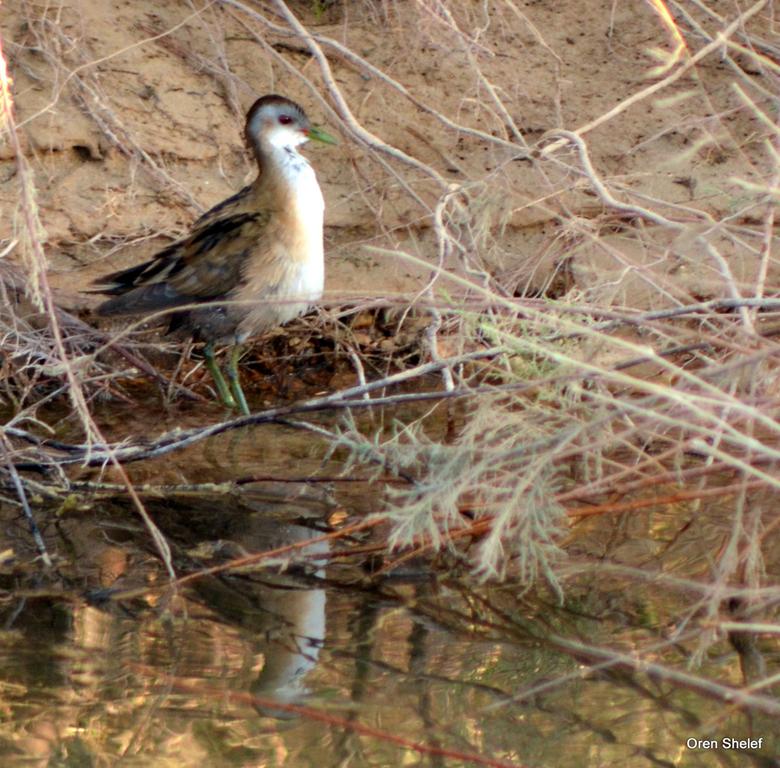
204	265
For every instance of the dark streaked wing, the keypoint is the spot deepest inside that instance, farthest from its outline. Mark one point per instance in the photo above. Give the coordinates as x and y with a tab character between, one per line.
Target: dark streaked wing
225	208
205	265
142	300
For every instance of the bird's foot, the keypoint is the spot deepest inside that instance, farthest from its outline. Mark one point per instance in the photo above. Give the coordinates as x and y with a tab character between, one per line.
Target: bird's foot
225	395
235	380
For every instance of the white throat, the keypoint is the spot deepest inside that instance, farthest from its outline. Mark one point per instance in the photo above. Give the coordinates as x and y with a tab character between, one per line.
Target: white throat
294	167
305	198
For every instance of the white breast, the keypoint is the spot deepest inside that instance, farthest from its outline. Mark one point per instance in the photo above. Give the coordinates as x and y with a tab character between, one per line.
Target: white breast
304	271
308	278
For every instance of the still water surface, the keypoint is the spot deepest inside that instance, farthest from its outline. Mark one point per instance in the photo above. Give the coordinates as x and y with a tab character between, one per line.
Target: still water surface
310	659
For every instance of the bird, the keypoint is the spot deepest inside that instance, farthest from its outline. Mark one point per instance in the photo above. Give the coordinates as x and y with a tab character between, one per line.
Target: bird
252	262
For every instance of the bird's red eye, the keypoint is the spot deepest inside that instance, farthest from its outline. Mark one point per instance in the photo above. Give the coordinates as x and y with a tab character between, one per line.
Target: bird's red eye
285	119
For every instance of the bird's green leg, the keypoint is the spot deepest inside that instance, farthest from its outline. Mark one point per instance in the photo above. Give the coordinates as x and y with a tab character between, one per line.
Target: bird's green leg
219	379
235	380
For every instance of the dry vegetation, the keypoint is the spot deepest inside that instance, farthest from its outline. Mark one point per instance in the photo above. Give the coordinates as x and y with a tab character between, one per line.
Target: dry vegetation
571	221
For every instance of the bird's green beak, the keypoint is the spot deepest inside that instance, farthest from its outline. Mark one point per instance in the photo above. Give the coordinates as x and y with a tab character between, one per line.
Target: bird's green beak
317	134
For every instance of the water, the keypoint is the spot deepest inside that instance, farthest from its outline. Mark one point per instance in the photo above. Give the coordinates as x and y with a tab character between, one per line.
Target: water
307	658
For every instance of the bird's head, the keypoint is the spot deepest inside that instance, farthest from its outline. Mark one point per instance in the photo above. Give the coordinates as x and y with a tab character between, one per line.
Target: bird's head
274	122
